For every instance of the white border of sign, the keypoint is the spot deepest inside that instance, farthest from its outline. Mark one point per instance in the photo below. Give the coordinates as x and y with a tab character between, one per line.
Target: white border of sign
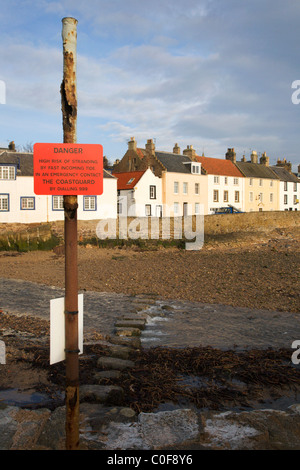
57	328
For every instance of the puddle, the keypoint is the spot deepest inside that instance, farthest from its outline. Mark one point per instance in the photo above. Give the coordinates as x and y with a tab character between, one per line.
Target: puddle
28	399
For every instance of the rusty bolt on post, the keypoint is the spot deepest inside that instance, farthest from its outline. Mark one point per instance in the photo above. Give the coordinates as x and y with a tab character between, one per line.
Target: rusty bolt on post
69	113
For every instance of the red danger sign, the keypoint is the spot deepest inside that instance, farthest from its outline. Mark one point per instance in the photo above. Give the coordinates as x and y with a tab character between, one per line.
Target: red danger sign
68	169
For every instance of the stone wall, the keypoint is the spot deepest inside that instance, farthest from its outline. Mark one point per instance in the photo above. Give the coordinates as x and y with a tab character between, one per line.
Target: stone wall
214	226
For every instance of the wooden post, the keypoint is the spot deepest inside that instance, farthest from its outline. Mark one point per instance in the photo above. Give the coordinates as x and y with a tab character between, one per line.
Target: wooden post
69	113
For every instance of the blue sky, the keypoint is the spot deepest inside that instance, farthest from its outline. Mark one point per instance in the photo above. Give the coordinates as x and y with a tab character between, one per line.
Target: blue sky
209	73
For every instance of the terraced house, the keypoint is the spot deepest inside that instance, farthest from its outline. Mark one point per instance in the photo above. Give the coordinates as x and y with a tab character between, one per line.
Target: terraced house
261	184
183	183
19	203
289	186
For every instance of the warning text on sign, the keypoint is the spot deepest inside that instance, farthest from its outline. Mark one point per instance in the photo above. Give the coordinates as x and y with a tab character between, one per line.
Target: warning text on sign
68	169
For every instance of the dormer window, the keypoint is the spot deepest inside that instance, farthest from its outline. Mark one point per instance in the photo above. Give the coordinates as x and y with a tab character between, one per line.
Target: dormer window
7	172
196	168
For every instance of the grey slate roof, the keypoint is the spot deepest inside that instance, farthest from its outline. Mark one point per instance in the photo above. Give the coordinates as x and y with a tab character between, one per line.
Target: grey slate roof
173	162
284	175
24	163
255	170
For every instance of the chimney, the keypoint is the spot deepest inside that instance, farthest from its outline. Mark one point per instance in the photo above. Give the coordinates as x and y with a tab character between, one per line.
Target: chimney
150	147
176	149
12	146
189	151
264	160
243	159
132	144
231	155
284	164
254	157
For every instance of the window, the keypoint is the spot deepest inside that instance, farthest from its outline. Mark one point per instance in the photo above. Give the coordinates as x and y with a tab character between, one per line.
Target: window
216	196
285	186
295	186
57	203
130	181
271	183
261	197
152	192
196	188
236	196
4	202
235	181
226	180
176	208
251	182
295	199
260	182
148	210
285	199
89	203
7	172
27	203
176	187
195	168
251	196
216	179
185	188
271	197
225	196
197	208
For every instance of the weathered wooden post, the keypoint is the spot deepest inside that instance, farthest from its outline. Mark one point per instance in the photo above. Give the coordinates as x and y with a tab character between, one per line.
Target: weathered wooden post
69	113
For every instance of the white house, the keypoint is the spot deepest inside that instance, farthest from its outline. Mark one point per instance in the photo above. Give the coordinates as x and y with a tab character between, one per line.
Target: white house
139	193
226	184
289	189
19	203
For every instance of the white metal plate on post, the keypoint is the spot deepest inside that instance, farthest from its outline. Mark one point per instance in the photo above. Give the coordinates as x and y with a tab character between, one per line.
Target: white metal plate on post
57	328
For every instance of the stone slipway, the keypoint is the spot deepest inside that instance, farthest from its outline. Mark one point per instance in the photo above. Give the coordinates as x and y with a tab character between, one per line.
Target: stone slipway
107	425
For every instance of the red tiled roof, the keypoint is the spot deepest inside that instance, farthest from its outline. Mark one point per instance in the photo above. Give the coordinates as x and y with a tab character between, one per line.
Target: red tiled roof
128	179
217	166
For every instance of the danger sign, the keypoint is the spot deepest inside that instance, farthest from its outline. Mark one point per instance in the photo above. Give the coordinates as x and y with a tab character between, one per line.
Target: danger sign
68	169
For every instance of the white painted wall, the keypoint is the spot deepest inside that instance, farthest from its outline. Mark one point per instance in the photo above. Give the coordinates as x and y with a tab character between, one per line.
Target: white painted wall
137	198
221	186
290	193
106	204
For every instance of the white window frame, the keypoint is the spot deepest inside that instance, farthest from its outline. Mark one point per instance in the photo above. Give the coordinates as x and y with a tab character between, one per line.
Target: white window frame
152	192
7	172
89	203
176	187
185	187
226	196
4	202
57	203
236	196
197	188
27	203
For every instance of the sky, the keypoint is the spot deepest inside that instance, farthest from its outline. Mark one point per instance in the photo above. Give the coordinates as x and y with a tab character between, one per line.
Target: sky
215	74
